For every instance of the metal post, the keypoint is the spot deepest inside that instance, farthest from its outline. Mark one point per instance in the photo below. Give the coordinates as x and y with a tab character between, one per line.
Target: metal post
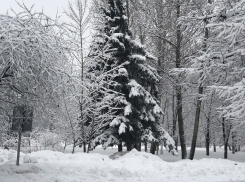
18	150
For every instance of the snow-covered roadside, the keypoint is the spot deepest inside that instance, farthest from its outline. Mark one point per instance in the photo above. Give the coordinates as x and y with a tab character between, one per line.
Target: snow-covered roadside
133	166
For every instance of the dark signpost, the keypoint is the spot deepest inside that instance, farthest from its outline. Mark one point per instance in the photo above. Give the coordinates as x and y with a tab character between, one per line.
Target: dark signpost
21	122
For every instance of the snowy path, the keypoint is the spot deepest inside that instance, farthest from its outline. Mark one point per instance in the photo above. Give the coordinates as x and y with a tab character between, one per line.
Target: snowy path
132	167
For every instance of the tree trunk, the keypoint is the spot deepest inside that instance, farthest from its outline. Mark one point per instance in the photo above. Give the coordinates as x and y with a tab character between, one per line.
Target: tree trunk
233	142
224	138
81	104
120	147
208	127
157	147
181	123
129	146
179	90
84	147
65	146
207	143
139	146
226	135
214	147
225	150
175	137
145	146
199	102
197	117
73	148
82	124
153	147
233	149
151	150
208	136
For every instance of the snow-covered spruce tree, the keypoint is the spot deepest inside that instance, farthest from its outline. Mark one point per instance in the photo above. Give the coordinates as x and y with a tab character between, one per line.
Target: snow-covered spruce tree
139	113
100	102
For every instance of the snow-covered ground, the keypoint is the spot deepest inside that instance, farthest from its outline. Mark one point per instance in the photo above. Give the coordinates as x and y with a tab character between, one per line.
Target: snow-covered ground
49	166
168	157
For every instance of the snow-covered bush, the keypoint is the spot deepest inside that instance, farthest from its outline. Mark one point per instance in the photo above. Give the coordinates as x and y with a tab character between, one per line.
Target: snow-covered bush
33	69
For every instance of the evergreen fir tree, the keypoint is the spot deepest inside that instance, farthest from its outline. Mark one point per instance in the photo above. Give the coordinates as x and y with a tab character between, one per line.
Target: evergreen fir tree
138	118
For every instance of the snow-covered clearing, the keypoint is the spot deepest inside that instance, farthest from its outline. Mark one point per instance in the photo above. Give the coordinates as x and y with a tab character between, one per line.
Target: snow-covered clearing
134	166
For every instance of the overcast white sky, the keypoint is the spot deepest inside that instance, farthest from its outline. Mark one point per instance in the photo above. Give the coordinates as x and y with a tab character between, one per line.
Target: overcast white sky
49	7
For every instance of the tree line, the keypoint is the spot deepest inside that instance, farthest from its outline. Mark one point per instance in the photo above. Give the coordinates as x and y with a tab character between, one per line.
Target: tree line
166	72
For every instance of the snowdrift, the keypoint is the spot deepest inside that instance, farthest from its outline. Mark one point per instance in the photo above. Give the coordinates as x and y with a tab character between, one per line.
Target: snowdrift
49	166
